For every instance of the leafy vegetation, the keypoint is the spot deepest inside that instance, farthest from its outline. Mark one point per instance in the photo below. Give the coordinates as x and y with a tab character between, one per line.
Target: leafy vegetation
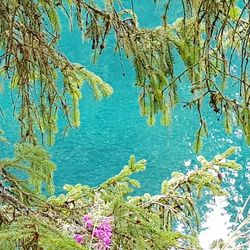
207	38
31	221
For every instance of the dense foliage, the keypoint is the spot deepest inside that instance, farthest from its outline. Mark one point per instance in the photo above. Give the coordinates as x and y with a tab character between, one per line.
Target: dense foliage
207	39
30	221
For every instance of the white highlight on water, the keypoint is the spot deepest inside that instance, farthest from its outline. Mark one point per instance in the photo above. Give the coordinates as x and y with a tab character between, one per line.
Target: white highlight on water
187	163
217	223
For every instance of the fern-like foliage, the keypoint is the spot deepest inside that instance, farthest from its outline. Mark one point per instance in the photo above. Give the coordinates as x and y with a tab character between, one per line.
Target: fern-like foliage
26	174
34	232
43	79
208	37
30	221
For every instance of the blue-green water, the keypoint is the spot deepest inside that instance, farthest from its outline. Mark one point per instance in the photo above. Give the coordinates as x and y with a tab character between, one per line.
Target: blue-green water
112	129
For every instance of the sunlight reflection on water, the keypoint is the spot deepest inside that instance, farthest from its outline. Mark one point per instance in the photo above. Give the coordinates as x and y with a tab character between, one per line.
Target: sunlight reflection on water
216	224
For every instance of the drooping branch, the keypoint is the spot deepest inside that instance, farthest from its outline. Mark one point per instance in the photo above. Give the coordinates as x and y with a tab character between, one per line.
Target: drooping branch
42	76
206	40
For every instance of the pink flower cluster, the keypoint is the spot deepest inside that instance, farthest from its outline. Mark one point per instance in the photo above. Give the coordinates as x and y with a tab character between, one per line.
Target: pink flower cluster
101	234
88	222
104	233
79	238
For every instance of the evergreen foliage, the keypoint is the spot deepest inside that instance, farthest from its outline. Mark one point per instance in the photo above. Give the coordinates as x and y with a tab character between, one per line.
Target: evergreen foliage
31	221
43	79
207	39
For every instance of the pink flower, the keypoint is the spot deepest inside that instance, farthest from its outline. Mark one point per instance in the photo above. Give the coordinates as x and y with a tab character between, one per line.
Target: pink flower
86	218
79	238
106	241
88	222
105	226
97	233
102	233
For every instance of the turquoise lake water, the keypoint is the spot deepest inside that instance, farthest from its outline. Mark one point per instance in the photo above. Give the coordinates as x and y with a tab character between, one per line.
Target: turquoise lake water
113	129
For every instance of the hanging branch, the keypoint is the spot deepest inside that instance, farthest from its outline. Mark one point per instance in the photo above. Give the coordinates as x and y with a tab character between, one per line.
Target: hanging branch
203	38
43	78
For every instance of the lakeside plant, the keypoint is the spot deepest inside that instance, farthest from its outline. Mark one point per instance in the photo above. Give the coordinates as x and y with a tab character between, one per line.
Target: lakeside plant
105	216
206	39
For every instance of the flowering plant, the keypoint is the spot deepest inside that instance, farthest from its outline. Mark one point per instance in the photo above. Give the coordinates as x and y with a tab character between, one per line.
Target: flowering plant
100	234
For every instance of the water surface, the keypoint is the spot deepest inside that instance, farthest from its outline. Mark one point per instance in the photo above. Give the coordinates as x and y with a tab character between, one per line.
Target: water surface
112	129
